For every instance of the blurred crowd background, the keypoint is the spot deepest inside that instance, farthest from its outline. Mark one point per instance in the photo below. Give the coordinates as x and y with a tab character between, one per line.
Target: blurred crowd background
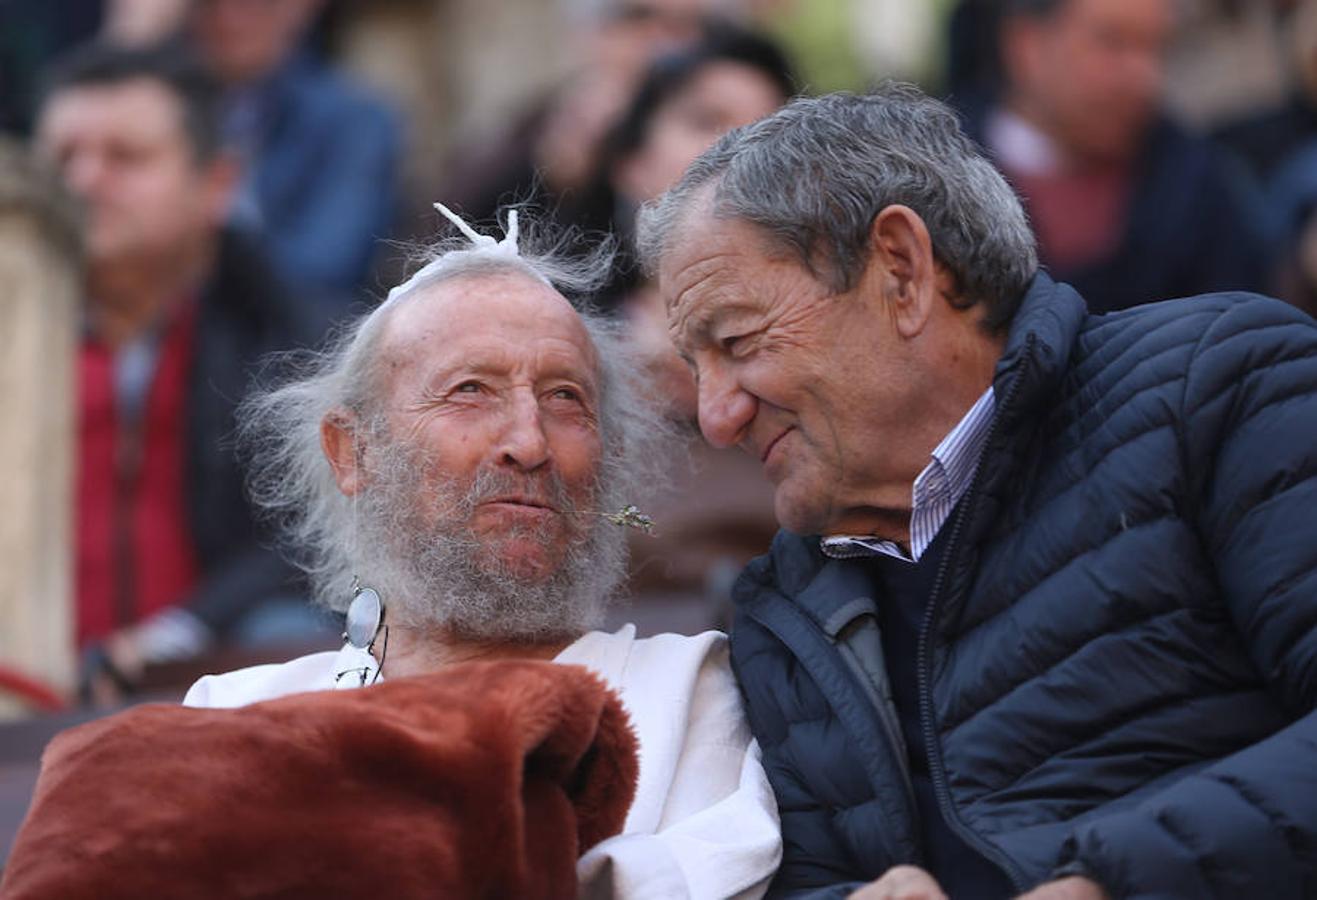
220	179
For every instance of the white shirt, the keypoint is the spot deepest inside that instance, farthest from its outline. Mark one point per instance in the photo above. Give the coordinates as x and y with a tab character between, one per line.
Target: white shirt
1021	146
703	822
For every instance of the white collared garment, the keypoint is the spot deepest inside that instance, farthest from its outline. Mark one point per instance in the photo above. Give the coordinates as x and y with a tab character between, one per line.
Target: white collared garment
703	823
1020	146
937	490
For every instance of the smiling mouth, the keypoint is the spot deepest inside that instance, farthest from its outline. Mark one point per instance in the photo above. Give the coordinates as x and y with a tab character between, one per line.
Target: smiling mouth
772	444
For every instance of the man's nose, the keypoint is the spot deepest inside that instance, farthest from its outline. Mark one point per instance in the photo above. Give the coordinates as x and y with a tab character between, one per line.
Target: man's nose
523	443
726	408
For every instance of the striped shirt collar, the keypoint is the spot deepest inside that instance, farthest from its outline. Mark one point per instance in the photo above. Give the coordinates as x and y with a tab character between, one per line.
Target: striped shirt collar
936	491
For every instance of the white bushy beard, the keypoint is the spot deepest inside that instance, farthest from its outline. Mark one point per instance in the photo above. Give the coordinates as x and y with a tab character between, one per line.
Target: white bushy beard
440	575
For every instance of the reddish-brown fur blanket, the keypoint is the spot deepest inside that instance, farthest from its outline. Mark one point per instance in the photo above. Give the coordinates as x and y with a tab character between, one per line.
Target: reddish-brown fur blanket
485	780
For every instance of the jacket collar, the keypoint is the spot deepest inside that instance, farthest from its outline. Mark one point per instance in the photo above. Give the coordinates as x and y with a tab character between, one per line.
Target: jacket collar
829	591
836	594
1038	347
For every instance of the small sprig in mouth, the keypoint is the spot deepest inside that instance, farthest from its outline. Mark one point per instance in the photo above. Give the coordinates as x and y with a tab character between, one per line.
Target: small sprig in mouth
629	516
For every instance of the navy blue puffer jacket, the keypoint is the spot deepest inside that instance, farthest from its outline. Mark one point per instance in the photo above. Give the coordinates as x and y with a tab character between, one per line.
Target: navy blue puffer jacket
1118	669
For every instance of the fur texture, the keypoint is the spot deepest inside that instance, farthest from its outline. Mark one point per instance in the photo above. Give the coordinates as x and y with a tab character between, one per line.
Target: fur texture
484	780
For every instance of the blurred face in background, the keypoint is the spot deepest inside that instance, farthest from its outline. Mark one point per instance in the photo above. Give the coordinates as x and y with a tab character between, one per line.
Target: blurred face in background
616	51
243	40
1090	74
721	96
634	33
124	151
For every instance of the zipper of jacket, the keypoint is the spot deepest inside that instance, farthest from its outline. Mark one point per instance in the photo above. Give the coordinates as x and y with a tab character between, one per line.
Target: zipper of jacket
934	749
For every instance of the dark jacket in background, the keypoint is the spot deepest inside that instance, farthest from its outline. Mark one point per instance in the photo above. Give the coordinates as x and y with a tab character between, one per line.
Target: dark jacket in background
1263	141
322	185
1194	225
245	313
1118	665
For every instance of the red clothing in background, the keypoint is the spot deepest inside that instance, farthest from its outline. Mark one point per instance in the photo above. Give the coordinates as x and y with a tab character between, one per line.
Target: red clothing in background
135	554
1080	218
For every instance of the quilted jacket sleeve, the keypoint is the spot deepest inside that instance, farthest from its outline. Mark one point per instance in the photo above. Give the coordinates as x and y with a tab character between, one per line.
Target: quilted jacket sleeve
1247	825
815	863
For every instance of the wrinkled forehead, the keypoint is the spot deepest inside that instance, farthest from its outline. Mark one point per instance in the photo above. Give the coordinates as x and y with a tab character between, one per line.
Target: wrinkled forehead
471	310
709	252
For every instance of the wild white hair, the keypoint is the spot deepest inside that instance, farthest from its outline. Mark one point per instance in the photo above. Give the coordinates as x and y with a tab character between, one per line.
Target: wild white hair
291	480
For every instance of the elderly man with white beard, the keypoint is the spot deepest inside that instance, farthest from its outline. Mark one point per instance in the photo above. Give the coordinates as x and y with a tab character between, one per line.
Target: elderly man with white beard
452	471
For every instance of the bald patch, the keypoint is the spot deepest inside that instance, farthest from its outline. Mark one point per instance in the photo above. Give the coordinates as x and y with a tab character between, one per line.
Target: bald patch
454	303
481	323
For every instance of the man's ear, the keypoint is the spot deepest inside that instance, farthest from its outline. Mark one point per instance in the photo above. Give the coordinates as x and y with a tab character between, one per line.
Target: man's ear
338	441
903	252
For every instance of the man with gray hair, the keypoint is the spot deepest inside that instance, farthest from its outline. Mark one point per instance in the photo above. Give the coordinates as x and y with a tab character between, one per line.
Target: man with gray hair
1043	613
454	471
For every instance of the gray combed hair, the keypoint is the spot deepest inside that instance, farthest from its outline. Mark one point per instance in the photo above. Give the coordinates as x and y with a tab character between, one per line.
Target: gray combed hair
290	479
816	173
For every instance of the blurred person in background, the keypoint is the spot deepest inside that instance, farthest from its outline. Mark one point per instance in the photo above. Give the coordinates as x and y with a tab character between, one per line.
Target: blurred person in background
34	34
178	310
685	102
1266	139
630	36
1279	147
554	148
720	513
1292	204
321	154
1128	207
973	66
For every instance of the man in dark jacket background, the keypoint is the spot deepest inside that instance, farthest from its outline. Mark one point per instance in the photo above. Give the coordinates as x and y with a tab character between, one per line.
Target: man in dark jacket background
320	152
1043	614
178	311
1078	126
